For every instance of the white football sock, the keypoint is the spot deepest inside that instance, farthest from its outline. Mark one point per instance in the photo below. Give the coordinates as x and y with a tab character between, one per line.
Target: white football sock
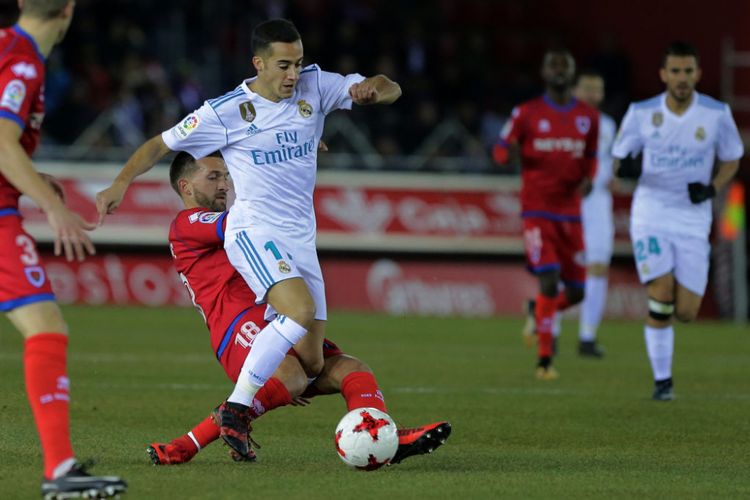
268	350
592	309
660	348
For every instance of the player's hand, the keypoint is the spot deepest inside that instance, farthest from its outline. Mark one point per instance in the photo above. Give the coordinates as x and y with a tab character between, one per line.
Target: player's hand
55	185
108	200
70	236
322	146
700	192
364	93
300	401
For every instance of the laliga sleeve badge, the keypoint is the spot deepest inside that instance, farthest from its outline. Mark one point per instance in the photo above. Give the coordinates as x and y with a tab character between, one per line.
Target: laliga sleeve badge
284	267
304	108
247	111
187	126
13	95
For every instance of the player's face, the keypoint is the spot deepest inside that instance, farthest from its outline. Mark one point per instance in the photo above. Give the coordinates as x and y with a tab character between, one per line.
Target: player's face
279	69
558	70
210	184
680	74
590	89
66	19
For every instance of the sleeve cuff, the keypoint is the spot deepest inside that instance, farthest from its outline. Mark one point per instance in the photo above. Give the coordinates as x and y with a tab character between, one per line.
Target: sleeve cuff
8	115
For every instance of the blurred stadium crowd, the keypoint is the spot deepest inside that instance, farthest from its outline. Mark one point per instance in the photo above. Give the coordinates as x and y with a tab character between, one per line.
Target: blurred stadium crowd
129	69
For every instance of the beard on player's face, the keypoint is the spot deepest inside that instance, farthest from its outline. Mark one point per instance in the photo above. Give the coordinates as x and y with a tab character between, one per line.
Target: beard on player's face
216	204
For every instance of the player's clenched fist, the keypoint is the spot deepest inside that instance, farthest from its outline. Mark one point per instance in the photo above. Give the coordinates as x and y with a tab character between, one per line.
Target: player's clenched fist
364	93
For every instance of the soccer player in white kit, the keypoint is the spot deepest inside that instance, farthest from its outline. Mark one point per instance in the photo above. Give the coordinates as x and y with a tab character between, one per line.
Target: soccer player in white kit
596	214
268	130
681	133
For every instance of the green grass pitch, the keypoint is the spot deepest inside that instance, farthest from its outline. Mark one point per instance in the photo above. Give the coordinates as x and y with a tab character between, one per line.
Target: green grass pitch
140	375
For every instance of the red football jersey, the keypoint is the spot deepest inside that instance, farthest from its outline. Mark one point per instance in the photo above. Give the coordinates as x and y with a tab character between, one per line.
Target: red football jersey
21	95
558	150
196	240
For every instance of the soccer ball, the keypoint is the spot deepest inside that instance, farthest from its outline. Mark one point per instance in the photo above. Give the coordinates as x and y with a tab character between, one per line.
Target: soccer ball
366	438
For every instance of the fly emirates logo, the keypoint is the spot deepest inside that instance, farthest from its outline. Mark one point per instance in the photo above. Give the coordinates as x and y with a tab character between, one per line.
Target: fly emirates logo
288	147
560	144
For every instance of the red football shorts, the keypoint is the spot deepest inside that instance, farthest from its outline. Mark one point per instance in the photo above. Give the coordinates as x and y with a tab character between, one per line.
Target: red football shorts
555	245
241	341
23	279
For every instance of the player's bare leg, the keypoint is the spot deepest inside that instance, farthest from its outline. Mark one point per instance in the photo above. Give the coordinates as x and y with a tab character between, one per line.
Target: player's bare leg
687	304
310	350
592	309
295	316
47	387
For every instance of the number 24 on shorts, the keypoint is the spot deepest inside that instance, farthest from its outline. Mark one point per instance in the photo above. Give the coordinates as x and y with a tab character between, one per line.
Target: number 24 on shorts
645	247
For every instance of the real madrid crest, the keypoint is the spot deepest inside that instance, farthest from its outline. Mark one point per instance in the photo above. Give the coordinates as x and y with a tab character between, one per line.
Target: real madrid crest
657	119
284	267
247	111
700	134
304	108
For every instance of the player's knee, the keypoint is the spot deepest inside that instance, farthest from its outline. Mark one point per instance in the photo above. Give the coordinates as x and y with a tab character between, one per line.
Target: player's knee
685	314
660	310
574	295
313	367
303	313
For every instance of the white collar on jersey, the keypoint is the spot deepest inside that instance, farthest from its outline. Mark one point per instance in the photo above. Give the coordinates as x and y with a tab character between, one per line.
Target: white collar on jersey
688	111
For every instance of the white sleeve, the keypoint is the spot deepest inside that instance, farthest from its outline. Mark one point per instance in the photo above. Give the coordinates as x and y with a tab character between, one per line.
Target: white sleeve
334	90
729	145
628	140
200	133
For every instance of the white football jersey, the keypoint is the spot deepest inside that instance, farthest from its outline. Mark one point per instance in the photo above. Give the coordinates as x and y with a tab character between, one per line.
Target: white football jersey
270	148
677	150
607	131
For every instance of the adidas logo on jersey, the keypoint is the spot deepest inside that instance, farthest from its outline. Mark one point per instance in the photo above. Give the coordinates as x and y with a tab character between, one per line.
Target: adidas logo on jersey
252	130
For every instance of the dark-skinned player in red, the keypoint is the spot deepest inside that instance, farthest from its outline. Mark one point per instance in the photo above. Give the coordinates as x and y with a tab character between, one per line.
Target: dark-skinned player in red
555	138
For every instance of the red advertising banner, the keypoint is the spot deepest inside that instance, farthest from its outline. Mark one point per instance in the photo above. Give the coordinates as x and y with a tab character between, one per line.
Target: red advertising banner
355	211
393	286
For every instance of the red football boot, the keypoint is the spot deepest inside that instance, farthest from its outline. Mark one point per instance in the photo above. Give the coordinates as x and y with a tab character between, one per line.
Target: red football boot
420	440
172	453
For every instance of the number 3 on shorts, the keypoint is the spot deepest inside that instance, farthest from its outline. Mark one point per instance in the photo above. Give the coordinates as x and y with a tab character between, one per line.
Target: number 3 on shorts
645	247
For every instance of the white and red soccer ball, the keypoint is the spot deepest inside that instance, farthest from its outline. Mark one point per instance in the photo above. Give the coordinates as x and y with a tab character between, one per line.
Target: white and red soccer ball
366	438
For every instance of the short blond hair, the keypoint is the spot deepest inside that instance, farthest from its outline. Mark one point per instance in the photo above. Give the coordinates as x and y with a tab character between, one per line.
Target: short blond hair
43	9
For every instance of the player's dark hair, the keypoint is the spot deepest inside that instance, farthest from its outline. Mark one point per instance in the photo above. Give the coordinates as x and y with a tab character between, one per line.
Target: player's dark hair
680	49
43	9
557	51
274	30
184	165
588	73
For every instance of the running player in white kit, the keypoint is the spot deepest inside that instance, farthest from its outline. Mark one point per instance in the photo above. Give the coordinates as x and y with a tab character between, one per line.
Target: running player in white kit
268	130
681	134
596	214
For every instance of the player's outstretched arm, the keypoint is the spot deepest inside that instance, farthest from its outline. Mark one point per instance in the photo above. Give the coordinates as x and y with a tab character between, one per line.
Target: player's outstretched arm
16	166
378	89
140	162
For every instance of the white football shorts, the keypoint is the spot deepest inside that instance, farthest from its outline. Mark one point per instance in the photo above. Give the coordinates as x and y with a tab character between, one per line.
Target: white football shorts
657	253
264	259
598	226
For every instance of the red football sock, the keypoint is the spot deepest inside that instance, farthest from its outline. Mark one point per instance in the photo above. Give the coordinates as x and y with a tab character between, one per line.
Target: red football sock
272	395
47	387
545	313
360	390
200	436
562	301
